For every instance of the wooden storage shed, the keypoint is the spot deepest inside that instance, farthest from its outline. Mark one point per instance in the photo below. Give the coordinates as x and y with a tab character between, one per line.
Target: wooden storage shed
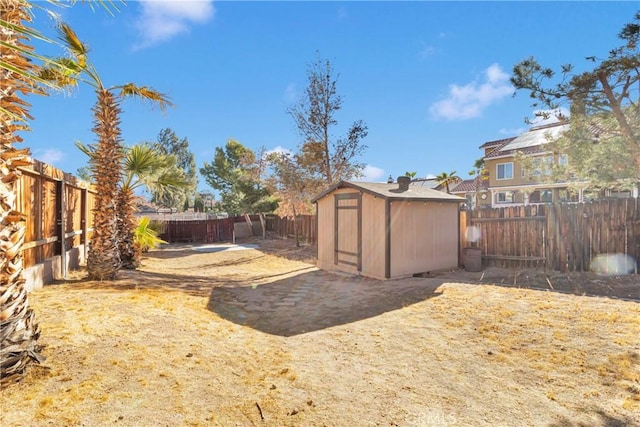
387	231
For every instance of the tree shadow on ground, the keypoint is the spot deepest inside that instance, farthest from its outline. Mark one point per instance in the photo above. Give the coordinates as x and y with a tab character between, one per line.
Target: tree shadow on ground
316	300
195	285
582	284
604	420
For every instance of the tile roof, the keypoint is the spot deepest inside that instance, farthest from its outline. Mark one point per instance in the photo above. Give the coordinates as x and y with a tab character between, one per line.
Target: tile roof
497	142
391	192
470	185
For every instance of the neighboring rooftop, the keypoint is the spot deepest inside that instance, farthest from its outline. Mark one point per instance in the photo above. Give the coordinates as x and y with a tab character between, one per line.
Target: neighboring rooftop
425	183
497	142
531	141
471	185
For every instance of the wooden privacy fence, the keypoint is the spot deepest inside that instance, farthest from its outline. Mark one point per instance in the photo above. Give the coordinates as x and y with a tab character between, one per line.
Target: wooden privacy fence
201	231
58	207
286	227
222	230
563	237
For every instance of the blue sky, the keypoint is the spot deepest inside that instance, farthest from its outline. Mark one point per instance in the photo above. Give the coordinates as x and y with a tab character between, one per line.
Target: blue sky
430	79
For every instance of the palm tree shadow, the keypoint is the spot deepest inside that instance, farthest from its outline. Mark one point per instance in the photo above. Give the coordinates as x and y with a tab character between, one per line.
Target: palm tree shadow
316	300
604	418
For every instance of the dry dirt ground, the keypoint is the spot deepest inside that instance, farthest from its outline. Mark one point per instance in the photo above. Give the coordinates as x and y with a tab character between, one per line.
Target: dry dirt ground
260	337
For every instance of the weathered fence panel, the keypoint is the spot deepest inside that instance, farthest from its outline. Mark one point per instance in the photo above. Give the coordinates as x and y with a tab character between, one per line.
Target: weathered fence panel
563	237
58	221
285	228
200	231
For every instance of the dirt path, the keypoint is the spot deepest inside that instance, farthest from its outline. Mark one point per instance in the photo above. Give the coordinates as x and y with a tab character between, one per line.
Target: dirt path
261	337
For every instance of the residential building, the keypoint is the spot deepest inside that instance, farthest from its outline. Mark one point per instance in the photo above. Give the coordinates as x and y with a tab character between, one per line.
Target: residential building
475	191
517	171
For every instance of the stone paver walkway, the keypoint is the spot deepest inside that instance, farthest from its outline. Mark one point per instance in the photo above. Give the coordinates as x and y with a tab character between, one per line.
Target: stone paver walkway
316	300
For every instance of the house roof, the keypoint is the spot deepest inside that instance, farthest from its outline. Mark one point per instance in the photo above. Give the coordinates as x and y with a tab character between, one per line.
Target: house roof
471	185
425	182
392	192
532	141
497	142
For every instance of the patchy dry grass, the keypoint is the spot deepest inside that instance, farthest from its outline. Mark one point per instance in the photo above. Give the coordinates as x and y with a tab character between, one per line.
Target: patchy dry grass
145	350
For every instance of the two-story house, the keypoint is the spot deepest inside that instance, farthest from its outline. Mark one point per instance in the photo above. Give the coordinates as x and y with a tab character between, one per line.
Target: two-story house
517	171
518	168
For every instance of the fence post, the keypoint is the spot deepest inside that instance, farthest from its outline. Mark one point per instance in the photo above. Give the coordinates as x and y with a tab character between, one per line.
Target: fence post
462	227
61	225
84	223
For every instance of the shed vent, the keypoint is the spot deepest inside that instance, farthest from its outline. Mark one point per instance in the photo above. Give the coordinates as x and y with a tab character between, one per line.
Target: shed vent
403	183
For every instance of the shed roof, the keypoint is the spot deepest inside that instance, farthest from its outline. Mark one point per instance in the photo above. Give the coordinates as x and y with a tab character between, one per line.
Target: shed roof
392	192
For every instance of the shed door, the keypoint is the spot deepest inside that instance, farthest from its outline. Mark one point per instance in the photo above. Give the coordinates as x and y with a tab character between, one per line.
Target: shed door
348	229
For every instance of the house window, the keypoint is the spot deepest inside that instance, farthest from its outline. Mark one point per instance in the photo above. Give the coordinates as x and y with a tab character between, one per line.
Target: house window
541	196
546	196
504	170
619	194
504	197
564	195
563	160
542	166
534	197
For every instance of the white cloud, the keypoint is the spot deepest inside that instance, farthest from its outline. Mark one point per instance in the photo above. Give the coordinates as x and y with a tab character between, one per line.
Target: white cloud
552	116
512	132
371	174
342	13
426	52
290	93
280	150
49	155
470	100
163	19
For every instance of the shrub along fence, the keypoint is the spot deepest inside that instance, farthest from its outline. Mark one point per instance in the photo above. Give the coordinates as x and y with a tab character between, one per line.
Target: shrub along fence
563	237
59	225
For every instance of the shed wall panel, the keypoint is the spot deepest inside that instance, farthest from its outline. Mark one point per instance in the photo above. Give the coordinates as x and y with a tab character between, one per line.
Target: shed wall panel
326	233
373	234
424	237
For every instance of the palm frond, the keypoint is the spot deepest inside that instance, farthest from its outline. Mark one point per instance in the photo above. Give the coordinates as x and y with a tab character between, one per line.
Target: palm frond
25	31
145	166
72	41
88	150
146	236
109	5
146	93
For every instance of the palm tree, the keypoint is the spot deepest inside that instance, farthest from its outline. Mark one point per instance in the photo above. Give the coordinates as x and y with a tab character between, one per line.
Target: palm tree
446	179
19	331
146	234
479	172
103	260
143	166
19	78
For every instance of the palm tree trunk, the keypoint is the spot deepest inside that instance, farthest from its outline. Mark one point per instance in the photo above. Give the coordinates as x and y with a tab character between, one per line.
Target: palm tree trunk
103	260
130	254
19	331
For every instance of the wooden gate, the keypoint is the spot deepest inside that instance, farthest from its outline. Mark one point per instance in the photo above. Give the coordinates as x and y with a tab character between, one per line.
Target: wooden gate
348	229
